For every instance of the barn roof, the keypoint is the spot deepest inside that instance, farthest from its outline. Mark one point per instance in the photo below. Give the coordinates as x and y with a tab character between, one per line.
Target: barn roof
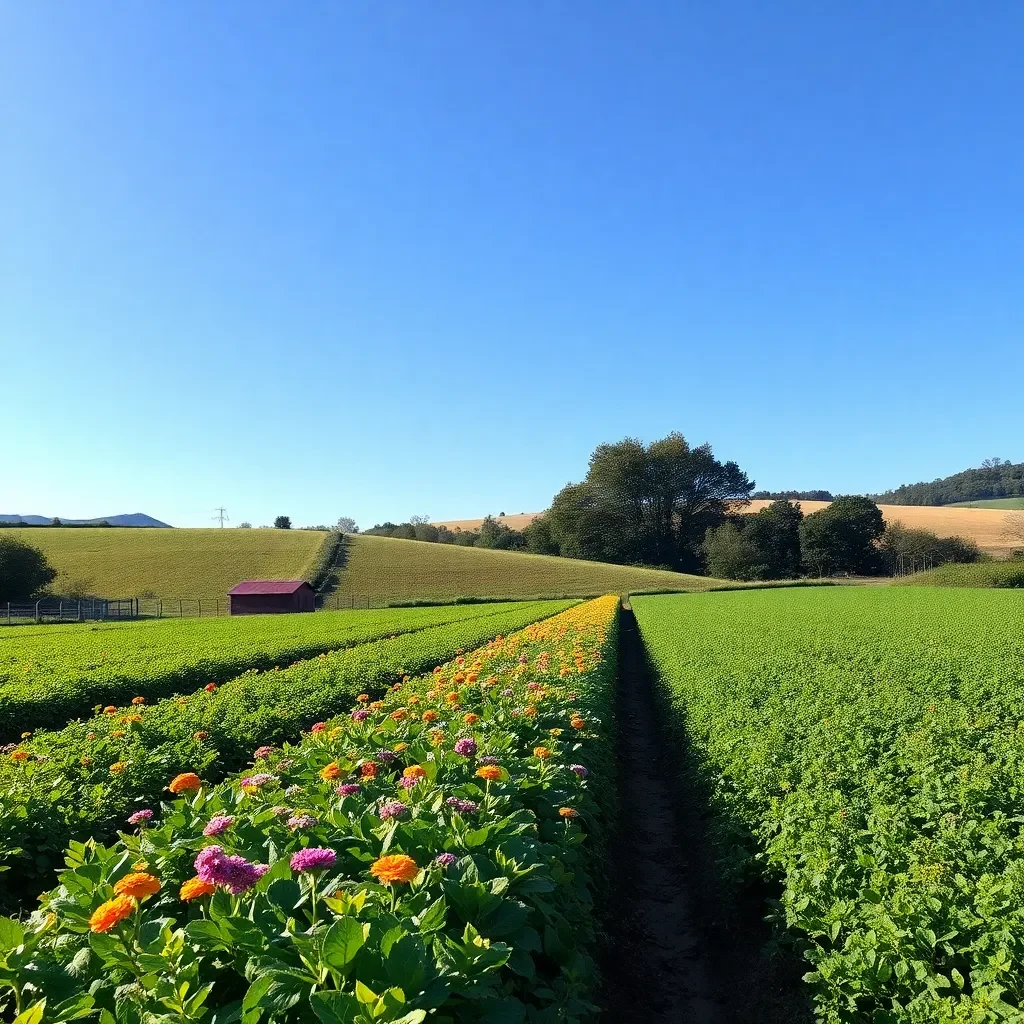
268	587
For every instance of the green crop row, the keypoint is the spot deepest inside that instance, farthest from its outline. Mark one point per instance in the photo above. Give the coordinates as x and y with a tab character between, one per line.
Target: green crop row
83	779
430	856
51	674
866	747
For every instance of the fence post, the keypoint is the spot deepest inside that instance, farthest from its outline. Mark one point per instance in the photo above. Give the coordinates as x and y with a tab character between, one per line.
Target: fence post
37	612
8	613
216	608
179	607
200	603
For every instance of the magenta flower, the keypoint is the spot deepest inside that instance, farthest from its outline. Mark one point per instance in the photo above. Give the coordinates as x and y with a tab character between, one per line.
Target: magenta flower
302	821
386	756
408	783
462	806
445	860
257	780
466	747
579	770
391	809
313	858
360	715
348	789
217	824
235	873
140	816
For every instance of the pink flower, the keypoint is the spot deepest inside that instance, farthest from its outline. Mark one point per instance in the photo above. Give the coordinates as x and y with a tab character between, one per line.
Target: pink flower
466	747
360	715
140	816
313	858
319	727
217	824
348	789
235	873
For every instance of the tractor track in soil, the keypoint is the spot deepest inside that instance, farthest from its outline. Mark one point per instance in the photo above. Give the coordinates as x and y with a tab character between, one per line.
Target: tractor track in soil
670	956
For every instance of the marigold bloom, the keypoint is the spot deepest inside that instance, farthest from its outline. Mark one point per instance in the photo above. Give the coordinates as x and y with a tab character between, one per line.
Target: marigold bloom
369	770
490	772
194	888
568	812
436	737
138	700
138	885
86	761
117	767
377	705
128	719
542	752
108	914
185	782
470	719
399	713
415	771
430	716
331	771
19	755
396	867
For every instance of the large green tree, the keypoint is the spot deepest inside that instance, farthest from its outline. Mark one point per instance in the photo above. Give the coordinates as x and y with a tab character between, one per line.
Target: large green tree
646	505
24	570
842	538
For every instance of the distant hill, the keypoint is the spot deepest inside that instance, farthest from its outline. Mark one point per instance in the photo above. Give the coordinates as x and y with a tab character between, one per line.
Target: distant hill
128	519
994	478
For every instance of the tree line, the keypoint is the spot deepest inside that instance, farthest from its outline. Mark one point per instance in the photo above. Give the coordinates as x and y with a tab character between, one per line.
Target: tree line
994	478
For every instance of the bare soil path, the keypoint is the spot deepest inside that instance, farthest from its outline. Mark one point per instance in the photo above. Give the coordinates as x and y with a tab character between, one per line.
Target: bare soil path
670	959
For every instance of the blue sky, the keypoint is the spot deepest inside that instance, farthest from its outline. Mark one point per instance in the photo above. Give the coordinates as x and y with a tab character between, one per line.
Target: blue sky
420	258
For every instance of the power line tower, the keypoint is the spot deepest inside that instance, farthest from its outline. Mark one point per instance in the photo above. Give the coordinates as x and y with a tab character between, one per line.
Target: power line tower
222	516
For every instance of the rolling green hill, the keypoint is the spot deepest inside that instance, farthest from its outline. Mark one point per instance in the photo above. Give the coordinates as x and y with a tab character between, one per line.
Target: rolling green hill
1004	503
203	564
404	570
978	574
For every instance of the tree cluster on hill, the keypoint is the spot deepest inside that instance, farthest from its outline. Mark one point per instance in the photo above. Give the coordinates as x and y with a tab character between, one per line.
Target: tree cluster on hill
994	478
24	570
792	496
849	536
491	534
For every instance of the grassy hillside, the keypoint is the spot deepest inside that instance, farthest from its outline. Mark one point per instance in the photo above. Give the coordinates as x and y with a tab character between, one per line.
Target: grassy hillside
1007	504
413	570
172	563
980	574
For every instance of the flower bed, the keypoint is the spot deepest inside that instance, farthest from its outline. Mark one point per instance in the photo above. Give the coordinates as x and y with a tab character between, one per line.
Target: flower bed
86	778
423	855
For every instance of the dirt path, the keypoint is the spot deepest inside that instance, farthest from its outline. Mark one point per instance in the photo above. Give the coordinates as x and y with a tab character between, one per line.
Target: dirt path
668	961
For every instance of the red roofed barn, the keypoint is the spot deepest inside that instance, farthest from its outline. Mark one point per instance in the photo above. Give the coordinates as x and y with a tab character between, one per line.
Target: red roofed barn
259	597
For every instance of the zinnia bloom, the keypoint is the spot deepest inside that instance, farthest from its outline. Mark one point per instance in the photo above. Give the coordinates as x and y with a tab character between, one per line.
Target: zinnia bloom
19	755
415	771
430	716
235	873
194	888
262	753
253	782
140	816
363	698
210	687
445	860
387	756
318	727
138	885
313	858
369	770
110	710
488	759
217	824
185	782
297	821
391	809
568	812
466	747
408	783
348	789
138	700
542	752
490	772
117	767
470	719
200	735
108	914
359	715
396	867
462	806
331	771
579	770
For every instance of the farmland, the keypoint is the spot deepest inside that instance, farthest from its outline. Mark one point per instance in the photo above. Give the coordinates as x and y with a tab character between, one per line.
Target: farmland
1009	574
50	674
414	570
170	564
433	852
864	747
1008	504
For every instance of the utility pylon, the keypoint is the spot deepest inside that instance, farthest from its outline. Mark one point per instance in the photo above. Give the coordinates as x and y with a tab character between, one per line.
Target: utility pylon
221	516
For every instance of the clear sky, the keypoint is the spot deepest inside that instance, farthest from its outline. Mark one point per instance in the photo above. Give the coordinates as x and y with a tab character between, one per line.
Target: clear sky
383	259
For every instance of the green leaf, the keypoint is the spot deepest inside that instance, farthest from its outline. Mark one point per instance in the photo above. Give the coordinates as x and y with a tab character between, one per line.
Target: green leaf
365	994
33	1015
12	934
434	917
284	893
335	1007
343	940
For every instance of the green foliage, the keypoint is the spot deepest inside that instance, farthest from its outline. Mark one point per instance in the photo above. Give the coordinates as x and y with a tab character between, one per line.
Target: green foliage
51	674
762	546
841	537
503	934
995	478
1002	575
864	746
24	570
209	732
731	554
903	548
282	523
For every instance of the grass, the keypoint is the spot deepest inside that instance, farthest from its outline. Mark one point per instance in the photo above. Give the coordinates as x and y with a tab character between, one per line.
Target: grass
202	564
1007	504
413	570
980	574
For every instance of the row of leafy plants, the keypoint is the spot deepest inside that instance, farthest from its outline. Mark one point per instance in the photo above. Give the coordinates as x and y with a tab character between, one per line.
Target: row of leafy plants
83	780
864	749
51	674
428	855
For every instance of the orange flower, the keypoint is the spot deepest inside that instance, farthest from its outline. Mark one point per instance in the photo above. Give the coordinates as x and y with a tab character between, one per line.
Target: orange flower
185	782
470	719
436	737
430	716
399	713
415	771
117	767
86	761
194	888
138	885
105	916
578	723
110	710
330	771
117	734
568	812
376	705
369	770
363	698
490	772
19	755
200	736
138	700
530	711
452	698
210	687
542	752
396	867
131	718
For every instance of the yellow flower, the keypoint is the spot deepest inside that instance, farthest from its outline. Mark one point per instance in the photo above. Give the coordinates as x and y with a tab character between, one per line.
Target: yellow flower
568	812
415	771
330	771
542	752
117	767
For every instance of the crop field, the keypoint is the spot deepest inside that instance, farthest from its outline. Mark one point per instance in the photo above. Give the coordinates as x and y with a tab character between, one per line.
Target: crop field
1003	503
1008	574
169	564
51	674
430	855
85	778
415	570
865	748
